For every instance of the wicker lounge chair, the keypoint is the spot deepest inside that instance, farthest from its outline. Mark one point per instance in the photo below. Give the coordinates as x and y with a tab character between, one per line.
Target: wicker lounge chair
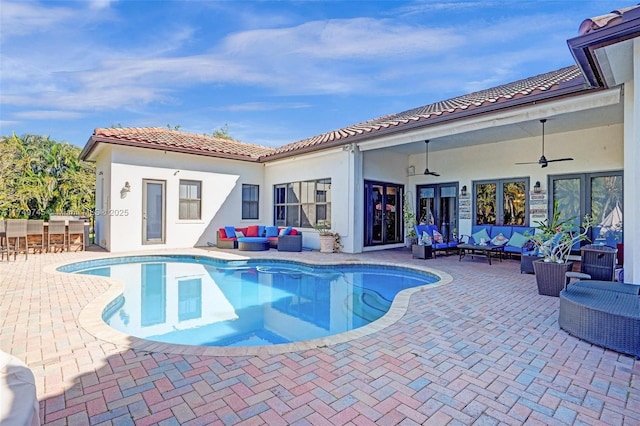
604	313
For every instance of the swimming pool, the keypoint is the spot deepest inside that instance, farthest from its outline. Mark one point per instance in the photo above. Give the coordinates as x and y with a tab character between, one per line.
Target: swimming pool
192	300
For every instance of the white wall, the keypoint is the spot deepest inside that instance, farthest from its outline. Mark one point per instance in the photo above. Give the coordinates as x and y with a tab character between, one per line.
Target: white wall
221	195
334	164
593	150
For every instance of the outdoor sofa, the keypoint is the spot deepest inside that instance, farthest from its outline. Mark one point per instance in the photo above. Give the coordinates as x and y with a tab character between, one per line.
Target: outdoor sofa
604	313
516	239
281	238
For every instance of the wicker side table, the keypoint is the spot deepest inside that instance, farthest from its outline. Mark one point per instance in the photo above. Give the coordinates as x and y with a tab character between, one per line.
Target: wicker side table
526	264
421	252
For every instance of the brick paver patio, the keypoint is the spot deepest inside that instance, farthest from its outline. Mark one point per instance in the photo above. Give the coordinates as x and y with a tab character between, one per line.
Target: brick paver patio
483	349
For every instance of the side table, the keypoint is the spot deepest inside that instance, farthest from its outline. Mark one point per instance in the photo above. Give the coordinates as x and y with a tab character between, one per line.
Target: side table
421	252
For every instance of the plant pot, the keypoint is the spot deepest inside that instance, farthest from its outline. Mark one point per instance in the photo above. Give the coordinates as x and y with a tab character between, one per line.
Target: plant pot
326	243
550	276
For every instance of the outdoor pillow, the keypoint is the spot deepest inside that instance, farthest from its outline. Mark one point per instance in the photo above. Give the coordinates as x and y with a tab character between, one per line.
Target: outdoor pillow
261	230
480	236
437	237
239	234
271	231
288	230
230	231
517	240
282	232
252	231
294	232
426	238
499	240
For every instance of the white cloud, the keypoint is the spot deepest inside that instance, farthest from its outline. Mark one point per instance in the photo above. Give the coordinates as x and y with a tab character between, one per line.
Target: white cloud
48	115
80	72
264	106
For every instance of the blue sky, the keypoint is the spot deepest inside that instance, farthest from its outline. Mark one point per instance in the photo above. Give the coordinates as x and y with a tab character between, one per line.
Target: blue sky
273	72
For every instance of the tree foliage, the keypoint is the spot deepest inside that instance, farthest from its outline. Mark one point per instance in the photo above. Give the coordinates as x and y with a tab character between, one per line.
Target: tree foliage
39	177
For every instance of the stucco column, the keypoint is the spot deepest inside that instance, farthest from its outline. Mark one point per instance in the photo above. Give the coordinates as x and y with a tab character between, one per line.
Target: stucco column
631	214
356	202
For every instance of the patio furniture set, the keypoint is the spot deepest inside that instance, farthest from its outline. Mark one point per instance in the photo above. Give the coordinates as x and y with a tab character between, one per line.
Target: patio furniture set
259	238
22	235
489	241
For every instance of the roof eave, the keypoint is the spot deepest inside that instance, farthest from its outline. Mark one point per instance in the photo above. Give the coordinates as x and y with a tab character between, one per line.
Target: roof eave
562	92
582	47
95	140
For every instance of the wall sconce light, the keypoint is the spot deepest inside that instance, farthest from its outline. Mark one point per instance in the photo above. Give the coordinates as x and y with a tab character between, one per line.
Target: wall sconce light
100	173
125	190
463	191
536	187
411	170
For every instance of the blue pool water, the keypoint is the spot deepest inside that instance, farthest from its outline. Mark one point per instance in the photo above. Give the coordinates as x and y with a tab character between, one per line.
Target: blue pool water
201	301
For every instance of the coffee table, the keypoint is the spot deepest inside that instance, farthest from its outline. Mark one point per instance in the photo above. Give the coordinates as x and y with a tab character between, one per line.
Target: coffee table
487	250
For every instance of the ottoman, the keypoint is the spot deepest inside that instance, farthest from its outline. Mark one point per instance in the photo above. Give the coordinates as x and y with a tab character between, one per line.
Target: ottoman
253	244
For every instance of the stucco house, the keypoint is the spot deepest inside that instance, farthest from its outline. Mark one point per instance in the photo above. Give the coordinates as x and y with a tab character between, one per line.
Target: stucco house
162	188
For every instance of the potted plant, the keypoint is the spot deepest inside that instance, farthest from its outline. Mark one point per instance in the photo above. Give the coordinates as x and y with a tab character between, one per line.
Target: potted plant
409	217
553	240
327	238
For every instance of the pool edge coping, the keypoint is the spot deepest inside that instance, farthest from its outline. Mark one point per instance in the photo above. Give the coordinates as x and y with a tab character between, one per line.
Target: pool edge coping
90	316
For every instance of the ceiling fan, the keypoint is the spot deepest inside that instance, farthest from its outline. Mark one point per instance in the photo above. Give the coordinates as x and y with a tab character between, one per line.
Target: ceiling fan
426	154
543	160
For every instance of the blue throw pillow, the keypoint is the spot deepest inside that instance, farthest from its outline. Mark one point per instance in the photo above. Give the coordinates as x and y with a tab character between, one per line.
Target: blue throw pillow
271	231
517	240
261	230
481	236
230	231
287	230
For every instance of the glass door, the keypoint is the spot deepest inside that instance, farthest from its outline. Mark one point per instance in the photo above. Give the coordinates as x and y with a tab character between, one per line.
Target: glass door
438	205
153	212
383	213
595	194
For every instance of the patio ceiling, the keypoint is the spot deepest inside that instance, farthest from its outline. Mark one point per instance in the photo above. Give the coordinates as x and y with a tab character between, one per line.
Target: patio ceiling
413	143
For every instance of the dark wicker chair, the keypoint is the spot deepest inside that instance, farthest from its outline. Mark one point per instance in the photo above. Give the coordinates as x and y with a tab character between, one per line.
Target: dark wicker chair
597	262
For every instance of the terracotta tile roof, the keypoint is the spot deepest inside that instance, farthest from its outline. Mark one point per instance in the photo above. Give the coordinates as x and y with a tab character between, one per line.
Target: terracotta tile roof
506	95
546	82
605	21
173	140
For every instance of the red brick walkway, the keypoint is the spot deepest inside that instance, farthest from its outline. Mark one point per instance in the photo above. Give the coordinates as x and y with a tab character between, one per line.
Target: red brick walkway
484	349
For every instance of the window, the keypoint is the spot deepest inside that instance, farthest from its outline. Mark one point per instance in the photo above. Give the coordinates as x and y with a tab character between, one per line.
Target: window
189	200
189	299
304	204
250	201
501	202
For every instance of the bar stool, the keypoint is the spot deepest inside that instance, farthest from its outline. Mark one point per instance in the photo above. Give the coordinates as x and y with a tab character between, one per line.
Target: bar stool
57	228
36	228
3	241
16	229
76	227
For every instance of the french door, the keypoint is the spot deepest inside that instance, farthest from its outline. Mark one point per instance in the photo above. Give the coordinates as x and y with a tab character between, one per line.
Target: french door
438	205
383	213
153	211
596	194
